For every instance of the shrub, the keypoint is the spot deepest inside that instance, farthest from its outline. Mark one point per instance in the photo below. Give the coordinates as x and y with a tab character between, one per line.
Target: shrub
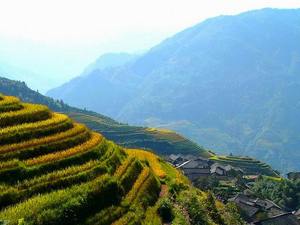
165	210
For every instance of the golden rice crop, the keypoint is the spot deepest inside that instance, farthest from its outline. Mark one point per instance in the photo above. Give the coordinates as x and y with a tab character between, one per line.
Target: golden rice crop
55	119
91	143
9	164
76	129
124	219
122	169
151	158
58	174
11	107
28	113
7	100
56	202
137	185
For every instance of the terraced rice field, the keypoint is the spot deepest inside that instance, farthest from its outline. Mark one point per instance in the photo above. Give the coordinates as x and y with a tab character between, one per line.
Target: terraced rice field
249	165
55	171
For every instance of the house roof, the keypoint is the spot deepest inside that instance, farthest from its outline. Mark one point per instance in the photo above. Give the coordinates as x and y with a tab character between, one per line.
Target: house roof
225	167
247	204
174	157
267	204
248	209
181	165
194	163
282	219
196	171
217	165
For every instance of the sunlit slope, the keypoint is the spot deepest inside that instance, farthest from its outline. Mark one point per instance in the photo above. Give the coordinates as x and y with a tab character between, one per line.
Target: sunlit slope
55	171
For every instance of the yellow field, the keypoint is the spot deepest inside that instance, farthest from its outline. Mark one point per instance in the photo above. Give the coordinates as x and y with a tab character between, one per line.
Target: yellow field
91	143
57	174
151	158
29	112
8	100
78	128
137	185
55	119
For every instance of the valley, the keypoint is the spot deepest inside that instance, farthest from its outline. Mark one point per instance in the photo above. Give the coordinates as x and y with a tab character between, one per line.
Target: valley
149	112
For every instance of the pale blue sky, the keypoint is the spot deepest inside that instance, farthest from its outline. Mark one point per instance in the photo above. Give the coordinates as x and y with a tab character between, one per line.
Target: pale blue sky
58	38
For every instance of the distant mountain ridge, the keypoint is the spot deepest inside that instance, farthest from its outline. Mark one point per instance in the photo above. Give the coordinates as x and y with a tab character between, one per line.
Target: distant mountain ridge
110	60
229	83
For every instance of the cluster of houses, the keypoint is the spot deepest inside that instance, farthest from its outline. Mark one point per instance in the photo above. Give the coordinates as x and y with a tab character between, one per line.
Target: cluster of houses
196	167
264	212
256	211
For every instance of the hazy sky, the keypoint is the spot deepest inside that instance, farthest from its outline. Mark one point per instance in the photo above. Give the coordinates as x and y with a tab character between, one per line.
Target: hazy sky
59	38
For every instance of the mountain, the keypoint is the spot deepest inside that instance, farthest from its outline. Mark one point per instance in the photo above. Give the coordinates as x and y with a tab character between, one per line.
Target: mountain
230	83
160	141
110	60
55	171
35	81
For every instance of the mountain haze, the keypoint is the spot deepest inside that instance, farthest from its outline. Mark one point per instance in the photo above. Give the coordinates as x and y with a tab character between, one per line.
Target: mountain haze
230	83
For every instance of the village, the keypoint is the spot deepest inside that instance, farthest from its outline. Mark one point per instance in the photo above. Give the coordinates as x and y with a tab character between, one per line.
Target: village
232	184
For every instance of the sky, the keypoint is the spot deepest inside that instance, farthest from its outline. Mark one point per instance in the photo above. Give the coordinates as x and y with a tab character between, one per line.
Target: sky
56	39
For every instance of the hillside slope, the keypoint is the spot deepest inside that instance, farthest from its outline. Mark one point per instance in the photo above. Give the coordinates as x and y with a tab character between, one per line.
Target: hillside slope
229	83
160	141
122	134
55	171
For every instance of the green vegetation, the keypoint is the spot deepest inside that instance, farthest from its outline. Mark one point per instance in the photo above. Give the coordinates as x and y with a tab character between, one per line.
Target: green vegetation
55	171
159	141
284	192
248	165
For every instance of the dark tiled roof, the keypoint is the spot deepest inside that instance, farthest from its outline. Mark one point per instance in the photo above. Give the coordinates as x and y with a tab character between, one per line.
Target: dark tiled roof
283	219
194	163
248	209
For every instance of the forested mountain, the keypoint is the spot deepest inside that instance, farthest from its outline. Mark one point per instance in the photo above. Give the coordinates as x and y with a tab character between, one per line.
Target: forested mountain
230	83
110	60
